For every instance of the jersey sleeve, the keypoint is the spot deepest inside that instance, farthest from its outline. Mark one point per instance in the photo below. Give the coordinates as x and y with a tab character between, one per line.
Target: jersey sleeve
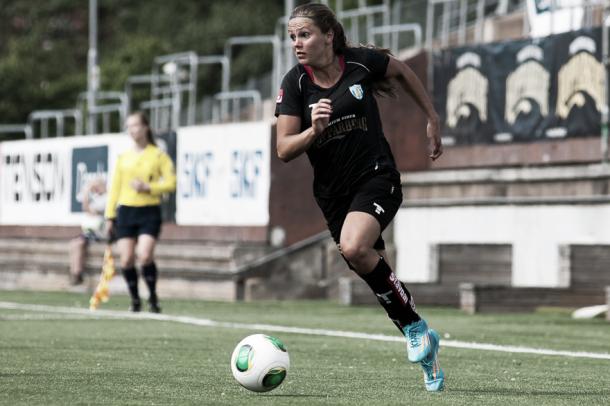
167	181
289	99
377	62
115	190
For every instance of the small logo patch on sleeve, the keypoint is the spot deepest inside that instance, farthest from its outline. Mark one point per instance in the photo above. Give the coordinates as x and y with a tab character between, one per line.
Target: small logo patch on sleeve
280	96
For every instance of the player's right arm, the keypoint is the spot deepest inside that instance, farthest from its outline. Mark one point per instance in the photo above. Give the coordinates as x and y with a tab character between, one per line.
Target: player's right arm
291	142
113	198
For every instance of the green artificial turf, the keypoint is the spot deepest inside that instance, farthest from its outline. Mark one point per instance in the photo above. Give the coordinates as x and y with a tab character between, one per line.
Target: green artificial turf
49	358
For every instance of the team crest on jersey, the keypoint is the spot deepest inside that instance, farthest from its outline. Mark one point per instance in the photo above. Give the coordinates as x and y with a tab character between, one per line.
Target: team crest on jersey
357	91
280	96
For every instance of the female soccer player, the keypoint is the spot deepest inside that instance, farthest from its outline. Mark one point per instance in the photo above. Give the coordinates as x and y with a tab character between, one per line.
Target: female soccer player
141	175
326	108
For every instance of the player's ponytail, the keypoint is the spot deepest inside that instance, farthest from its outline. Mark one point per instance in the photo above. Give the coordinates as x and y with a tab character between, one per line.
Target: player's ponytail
382	87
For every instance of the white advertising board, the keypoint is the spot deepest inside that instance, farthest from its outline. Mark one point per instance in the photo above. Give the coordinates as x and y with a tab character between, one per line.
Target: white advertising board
40	180
223	174
547	17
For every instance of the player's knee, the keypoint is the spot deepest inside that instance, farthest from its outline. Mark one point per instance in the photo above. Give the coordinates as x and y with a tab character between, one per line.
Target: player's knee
145	258
353	251
127	261
77	243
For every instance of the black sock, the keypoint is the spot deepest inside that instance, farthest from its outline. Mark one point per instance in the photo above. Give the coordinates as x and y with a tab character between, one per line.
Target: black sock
131	277
392	294
149	271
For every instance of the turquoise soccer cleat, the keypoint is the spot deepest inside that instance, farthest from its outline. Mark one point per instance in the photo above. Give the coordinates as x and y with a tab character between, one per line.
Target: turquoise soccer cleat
434	377
418	340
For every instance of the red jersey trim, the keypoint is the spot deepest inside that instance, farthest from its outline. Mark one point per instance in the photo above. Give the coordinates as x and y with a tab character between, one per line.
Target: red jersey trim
309	70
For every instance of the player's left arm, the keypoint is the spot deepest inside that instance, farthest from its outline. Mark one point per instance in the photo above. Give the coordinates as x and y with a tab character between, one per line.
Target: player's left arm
167	181
409	81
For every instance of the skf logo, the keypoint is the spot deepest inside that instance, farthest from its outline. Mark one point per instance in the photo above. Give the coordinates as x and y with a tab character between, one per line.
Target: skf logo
357	91
280	96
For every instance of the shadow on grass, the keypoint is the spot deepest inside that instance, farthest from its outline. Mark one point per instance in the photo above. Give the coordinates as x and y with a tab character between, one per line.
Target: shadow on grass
293	395
517	392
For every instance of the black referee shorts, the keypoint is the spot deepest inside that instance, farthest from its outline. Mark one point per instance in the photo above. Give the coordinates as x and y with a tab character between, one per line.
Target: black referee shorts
134	221
379	196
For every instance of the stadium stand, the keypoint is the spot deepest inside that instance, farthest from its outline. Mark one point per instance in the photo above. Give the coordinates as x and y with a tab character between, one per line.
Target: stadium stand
510	154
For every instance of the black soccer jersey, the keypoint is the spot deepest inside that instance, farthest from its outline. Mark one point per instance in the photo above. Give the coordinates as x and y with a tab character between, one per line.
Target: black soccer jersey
353	146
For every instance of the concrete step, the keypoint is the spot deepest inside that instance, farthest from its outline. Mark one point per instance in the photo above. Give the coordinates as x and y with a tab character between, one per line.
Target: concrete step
173	255
169	249
191	269
298	271
178	285
95	260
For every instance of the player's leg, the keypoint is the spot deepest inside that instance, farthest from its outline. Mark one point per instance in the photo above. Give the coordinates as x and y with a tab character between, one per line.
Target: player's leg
145	254
126	247
372	209
359	236
361	246
78	248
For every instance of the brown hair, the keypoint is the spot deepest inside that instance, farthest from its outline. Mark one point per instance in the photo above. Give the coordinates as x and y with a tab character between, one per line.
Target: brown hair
144	120
325	19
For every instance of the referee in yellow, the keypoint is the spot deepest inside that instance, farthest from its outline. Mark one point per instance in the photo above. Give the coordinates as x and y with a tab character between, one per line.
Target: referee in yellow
133	211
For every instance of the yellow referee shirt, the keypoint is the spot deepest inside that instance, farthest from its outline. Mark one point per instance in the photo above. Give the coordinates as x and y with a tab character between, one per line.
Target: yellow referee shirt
151	166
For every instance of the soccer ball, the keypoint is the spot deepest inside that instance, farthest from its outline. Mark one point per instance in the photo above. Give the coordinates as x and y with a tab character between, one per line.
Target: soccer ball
260	362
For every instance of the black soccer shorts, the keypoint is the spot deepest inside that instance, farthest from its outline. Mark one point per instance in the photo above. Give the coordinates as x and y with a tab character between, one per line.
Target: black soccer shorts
134	221
379	196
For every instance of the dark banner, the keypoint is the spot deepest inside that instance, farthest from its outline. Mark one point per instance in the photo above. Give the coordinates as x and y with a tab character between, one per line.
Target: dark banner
88	164
521	90
167	142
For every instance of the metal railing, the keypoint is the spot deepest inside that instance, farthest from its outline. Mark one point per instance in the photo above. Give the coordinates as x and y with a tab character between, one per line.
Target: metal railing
220	115
225	63
160	113
174	78
351	19
26	129
44	116
394	30
180	81
114	103
141	80
260	39
286	55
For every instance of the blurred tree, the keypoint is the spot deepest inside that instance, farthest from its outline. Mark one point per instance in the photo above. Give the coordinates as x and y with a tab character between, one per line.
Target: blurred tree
43	45
41	65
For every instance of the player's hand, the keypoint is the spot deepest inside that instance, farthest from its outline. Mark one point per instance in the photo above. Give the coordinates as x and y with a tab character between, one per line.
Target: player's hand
320	115
433	132
139	186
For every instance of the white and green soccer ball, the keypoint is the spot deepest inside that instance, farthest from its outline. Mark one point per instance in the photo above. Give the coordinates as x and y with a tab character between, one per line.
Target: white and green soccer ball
260	362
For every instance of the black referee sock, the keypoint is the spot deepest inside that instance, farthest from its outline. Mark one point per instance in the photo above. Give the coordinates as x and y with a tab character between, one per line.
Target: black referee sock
149	271
392	294
131	277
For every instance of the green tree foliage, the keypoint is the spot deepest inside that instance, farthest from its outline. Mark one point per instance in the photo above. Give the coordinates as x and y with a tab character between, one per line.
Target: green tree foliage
41	62
44	43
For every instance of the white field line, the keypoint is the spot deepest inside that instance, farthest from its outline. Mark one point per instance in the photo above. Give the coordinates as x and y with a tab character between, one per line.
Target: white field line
98	314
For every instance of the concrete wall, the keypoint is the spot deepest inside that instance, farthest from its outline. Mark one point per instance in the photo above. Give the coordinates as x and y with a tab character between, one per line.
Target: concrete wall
535	232
538	212
404	123
292	206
